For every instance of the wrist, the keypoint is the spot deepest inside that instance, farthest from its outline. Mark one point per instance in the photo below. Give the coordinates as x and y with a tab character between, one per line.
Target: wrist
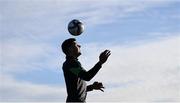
92	87
89	88
100	63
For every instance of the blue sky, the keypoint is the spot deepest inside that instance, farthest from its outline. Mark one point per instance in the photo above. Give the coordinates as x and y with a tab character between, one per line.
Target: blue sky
143	36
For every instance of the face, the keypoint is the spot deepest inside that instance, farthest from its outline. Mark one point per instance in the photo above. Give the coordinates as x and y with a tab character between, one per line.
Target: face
75	49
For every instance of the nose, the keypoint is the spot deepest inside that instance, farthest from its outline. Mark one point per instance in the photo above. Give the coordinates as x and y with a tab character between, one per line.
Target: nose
79	46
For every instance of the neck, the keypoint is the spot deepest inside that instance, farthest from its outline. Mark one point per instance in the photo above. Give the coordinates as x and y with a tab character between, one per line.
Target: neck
71	57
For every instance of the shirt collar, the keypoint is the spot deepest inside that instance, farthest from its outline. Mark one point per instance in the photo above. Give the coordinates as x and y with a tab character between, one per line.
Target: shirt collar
71	58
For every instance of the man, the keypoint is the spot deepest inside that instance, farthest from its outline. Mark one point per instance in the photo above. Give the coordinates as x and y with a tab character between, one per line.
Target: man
74	74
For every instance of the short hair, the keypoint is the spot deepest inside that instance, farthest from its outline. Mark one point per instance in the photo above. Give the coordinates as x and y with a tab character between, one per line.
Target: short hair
66	44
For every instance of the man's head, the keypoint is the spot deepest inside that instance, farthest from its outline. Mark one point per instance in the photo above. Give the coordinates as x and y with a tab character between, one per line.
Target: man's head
71	48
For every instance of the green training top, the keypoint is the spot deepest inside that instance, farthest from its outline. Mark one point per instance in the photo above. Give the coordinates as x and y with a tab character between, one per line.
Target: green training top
75	77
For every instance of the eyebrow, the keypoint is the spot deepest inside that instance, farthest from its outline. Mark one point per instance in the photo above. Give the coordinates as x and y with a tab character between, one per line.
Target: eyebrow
74	43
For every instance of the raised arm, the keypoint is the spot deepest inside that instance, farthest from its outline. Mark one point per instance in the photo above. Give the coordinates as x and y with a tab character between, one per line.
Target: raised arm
88	75
92	72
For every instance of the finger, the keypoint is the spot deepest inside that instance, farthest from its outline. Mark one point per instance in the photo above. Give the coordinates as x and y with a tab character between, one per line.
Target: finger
105	52
108	51
103	87
100	83
95	82
101	90
108	54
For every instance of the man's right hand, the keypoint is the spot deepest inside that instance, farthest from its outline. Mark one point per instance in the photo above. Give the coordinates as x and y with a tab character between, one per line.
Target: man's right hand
104	56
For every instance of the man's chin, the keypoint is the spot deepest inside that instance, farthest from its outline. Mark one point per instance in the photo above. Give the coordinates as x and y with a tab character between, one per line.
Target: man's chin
79	54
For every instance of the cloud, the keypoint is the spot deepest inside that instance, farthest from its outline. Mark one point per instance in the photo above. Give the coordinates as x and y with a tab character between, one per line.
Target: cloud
106	12
145	72
31	30
30	35
22	56
23	91
98	12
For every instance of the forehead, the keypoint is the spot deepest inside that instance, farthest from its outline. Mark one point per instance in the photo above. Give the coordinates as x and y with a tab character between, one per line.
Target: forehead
74	43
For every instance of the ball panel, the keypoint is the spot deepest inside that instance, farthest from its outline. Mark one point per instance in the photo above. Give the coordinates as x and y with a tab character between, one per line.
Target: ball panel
74	30
75	27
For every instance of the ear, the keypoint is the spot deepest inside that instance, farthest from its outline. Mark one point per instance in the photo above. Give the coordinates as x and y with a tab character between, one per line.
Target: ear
70	49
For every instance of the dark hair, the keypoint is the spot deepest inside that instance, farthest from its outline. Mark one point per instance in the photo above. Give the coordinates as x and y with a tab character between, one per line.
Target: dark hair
66	44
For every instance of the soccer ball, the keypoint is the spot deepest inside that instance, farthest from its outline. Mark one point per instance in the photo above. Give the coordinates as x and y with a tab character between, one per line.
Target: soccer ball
75	27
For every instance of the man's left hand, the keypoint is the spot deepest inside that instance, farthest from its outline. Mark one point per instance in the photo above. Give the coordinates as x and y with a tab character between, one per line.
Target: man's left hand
98	86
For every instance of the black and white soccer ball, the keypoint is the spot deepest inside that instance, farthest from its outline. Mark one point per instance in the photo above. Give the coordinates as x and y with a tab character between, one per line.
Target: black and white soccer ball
75	27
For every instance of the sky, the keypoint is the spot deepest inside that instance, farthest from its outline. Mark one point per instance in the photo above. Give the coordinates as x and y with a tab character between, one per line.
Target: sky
143	36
